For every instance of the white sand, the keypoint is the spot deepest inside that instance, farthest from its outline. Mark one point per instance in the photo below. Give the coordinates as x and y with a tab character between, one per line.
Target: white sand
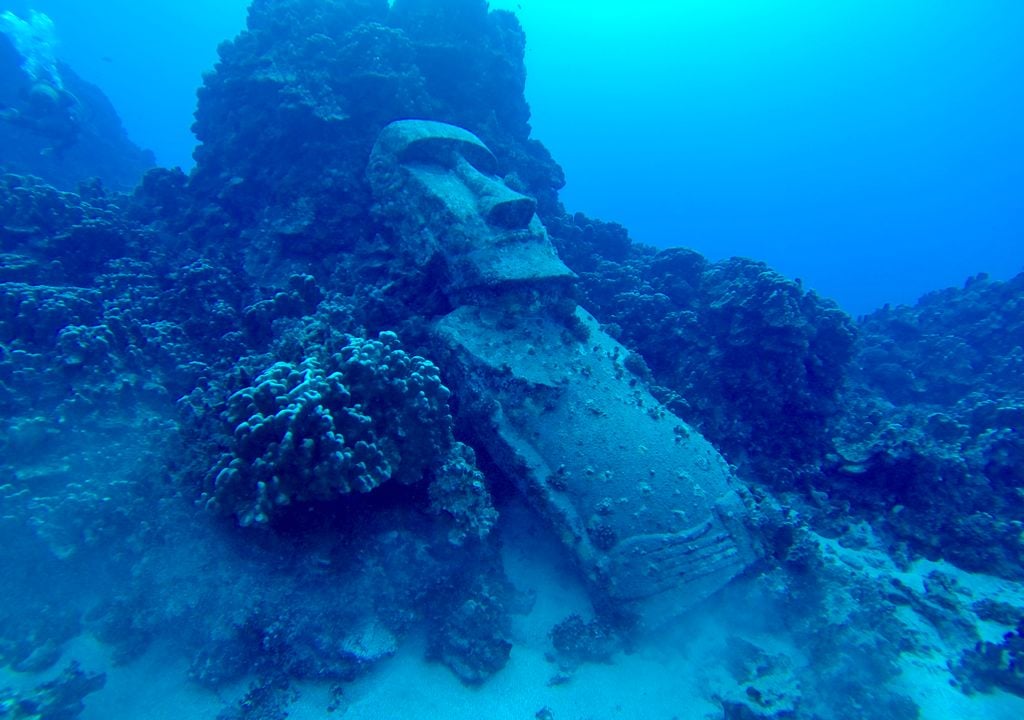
642	686
663	681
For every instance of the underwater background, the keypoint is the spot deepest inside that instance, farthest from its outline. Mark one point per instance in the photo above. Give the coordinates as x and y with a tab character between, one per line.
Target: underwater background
557	360
870	148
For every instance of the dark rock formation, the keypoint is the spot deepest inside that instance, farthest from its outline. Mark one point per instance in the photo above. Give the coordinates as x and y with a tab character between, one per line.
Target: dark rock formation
58	699
287	121
994	665
753	360
472	638
929	444
577	641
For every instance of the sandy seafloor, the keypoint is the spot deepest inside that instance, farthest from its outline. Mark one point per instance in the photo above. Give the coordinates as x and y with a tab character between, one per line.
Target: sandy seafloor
663	678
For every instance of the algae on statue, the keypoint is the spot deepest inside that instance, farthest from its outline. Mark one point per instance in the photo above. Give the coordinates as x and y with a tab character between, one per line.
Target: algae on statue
648	507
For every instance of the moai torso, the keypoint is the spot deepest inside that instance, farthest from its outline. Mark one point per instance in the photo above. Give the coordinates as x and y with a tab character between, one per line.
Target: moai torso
646	505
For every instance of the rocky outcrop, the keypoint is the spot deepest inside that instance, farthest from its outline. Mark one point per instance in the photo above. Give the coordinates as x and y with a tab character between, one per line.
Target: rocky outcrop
72	144
751	358
929	444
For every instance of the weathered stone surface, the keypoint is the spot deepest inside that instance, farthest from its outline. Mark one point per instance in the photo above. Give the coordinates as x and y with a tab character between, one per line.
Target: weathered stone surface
641	499
644	502
437	185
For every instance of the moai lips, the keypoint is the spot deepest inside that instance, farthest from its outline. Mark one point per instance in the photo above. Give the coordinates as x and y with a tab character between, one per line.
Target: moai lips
647	505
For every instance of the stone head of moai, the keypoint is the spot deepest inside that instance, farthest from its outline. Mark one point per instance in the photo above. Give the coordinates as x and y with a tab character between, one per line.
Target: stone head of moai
437	186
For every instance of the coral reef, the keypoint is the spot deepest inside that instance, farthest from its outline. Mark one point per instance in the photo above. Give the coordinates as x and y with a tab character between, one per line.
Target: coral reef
750	358
58	699
472	640
459	493
994	665
232	336
305	433
760	684
577	641
908	415
846	636
265	700
929	445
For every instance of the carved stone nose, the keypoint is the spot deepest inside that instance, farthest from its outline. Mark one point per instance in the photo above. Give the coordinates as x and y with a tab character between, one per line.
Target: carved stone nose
510	210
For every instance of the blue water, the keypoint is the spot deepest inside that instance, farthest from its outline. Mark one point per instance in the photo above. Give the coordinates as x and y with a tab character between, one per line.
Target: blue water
626	484
871	149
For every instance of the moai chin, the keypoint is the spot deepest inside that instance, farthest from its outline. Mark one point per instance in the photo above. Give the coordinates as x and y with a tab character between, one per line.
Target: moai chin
647	506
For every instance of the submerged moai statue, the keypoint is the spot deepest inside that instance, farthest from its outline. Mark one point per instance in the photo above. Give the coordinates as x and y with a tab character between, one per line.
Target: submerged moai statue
644	502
